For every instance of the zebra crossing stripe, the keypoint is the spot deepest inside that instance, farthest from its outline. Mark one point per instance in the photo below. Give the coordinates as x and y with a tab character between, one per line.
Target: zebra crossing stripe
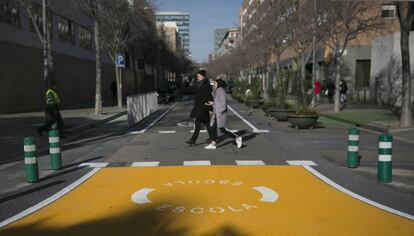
197	163
201	131
145	164
167	132
250	163
301	163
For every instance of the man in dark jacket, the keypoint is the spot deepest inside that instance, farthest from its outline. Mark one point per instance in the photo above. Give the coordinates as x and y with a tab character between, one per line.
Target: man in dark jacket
200	111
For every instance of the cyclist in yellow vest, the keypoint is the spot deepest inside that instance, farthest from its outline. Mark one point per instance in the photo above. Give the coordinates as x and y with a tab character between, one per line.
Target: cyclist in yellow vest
52	111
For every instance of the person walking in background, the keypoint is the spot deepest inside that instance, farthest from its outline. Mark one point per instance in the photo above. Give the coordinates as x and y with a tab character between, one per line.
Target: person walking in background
200	111
52	111
220	112
343	88
317	90
331	90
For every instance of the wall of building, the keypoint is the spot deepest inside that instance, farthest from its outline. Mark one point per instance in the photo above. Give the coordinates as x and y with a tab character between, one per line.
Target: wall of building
22	85
386	69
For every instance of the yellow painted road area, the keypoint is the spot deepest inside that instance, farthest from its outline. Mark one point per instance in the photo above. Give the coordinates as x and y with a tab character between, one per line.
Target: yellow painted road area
208	200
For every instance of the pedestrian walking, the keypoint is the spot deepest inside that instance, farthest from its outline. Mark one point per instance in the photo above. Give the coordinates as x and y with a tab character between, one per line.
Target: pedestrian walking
220	112
317	90
114	90
343	88
53	115
331	90
200	111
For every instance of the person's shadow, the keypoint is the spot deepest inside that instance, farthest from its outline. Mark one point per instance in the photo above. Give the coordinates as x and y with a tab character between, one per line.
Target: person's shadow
241	133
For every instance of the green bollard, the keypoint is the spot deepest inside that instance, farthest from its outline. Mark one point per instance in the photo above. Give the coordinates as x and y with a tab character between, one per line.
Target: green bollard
353	148
54	149
385	158
30	161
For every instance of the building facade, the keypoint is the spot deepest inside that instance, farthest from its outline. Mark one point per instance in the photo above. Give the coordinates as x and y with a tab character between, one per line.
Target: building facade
229	42
22	84
218	38
364	57
182	19
172	37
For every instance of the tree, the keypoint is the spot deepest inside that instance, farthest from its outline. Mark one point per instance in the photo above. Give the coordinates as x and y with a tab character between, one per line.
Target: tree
276	31
39	17
299	36
341	22
115	34
93	8
405	11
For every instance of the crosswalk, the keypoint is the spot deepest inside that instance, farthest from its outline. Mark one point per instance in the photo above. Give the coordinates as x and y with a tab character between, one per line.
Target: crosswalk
189	163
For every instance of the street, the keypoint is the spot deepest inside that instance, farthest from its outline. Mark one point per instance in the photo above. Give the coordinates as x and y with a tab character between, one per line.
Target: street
145	180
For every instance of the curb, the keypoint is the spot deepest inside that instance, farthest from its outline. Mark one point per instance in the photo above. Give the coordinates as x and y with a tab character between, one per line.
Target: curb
94	124
362	125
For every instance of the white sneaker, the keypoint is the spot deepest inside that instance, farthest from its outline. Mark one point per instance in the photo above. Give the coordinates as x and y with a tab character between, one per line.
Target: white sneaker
210	146
239	142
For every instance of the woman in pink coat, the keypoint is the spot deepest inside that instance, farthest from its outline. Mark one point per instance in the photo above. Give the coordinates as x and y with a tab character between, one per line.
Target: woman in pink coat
219	118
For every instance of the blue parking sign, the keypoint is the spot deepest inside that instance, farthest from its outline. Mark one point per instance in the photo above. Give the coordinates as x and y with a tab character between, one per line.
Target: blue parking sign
120	60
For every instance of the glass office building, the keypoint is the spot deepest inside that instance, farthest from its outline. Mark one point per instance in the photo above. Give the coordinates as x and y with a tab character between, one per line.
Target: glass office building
218	38
183	23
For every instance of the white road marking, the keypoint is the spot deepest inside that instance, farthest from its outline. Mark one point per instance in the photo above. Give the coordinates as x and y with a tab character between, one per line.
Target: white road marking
261	131
359	197
51	199
197	163
268	195
143	164
301	163
155	121
201	131
141	196
167	132
255	130
94	164
250	163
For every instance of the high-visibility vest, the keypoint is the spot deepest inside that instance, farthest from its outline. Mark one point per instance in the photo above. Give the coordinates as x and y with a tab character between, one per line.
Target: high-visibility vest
52	97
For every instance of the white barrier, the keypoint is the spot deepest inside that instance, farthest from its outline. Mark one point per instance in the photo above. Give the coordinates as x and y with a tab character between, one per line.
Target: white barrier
141	106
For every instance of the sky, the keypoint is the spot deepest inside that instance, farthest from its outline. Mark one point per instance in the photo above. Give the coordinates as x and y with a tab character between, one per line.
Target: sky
205	17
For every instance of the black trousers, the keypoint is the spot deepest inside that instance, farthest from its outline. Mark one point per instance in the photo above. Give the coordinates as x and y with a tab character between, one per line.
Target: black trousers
212	131
52	116
228	133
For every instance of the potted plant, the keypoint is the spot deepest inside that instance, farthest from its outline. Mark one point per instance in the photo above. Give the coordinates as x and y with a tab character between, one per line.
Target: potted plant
282	108
305	117
252	98
240	88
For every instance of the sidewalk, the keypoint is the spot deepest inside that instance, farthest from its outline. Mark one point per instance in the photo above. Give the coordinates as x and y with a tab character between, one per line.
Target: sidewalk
369	117
15	127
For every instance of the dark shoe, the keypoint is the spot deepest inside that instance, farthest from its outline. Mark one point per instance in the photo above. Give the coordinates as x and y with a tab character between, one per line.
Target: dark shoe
208	140
190	142
39	131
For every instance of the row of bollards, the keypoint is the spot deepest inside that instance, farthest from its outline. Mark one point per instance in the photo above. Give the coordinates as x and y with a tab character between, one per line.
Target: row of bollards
384	173
30	159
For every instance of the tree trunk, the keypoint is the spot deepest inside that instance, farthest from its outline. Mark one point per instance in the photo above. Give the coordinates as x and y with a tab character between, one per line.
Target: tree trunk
45	47
302	92
98	87
337	105
119	85
275	77
134	71
406	116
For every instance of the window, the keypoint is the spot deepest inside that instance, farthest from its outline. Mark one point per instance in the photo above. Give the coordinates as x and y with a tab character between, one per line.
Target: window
85	38
9	13
388	11
362	74
38	19
66	30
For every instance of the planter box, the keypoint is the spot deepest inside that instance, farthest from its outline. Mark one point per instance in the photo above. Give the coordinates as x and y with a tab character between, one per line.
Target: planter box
254	104
267	110
281	114
303	121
